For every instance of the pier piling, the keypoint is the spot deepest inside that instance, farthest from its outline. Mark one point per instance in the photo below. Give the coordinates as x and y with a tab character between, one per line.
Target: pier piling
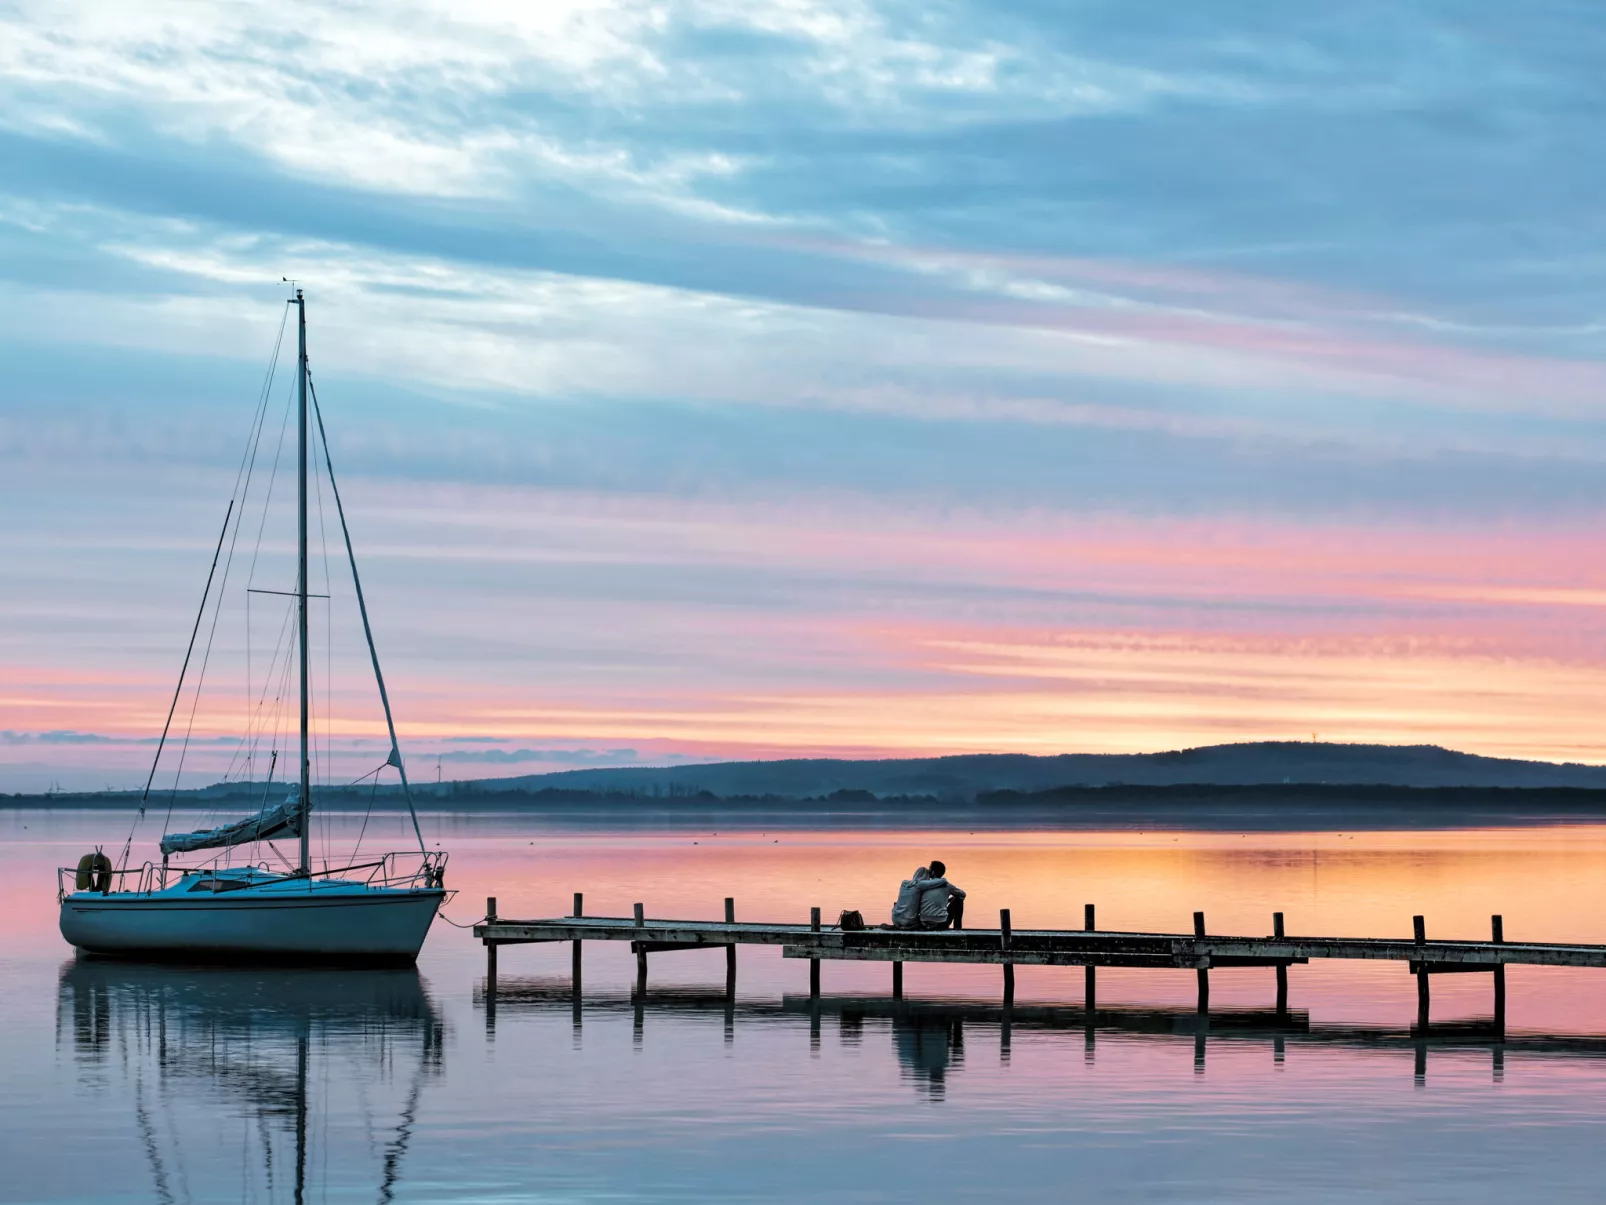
1419	934
730	950
490	970
1497	934
641	951
1004	935
490	946
1090	983
574	957
1203	971
1282	968
814	963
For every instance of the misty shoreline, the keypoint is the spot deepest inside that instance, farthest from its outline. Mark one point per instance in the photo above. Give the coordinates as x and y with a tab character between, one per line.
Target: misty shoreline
1198	806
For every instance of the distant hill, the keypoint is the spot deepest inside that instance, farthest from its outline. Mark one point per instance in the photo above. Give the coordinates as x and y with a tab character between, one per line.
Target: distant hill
994	779
966	776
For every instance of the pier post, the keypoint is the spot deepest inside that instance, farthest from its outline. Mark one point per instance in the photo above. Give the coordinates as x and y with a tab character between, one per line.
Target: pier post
490	949
814	963
1004	941
1090	978
490	971
730	950
641	952
1497	926
814	988
574	958
897	981
1420	935
1282	969
1203	972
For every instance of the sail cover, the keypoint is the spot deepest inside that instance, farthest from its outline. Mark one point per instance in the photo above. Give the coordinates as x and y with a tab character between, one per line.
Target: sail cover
282	820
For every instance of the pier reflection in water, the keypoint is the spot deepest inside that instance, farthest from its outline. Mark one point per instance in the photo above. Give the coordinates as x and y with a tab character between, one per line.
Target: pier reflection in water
252	1082
929	1037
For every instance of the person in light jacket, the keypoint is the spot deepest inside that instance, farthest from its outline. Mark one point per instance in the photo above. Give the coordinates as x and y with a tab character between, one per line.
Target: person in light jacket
941	903
906	912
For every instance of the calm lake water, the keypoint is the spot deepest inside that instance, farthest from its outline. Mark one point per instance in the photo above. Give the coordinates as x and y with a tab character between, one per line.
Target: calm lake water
129	1083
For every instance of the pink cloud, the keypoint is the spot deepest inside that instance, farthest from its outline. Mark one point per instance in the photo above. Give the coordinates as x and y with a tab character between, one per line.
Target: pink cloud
902	632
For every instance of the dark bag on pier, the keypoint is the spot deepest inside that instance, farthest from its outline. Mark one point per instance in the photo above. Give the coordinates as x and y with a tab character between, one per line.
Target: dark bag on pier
851	921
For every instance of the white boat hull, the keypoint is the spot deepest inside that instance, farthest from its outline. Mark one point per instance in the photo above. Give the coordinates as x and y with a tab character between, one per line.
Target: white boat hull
329	922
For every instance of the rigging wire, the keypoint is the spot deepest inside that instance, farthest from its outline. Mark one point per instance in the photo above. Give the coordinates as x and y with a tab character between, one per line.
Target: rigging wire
235	495
256	445
177	690
247	471
255	723
326	759
206	660
256	550
372	791
250	743
367	629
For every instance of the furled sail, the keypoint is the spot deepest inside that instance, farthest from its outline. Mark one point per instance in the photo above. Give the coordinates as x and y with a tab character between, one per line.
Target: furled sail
282	820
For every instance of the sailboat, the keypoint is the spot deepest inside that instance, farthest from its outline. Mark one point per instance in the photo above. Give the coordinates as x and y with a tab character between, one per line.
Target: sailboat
375	911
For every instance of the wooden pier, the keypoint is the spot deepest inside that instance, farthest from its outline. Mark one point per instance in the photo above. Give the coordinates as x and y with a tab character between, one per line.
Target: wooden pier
1199	951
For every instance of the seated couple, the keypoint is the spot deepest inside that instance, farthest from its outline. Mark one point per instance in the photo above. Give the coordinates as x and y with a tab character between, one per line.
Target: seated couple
927	900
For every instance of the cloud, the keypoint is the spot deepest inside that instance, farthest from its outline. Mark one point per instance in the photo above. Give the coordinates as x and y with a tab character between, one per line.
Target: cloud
466	100
59	737
557	757
1102	345
67	736
715	378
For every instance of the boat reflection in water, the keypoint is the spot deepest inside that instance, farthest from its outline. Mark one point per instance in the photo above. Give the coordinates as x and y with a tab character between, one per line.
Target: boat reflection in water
252	1079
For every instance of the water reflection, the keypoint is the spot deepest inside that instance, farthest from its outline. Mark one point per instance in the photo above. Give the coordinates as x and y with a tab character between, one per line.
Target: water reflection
929	1038
928	1048
272	1058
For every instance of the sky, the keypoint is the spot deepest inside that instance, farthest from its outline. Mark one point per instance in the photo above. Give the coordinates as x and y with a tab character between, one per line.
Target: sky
808	377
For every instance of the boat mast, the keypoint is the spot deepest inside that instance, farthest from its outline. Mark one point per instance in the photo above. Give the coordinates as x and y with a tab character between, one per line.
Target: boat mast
301	582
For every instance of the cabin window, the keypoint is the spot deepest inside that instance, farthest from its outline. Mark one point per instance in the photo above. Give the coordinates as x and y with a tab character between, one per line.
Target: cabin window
216	885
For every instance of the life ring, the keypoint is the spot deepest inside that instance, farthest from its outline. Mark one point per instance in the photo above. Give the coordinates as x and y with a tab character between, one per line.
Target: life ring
94	873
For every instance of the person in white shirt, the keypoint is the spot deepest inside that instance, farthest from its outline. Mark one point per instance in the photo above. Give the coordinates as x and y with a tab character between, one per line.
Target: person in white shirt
906	912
